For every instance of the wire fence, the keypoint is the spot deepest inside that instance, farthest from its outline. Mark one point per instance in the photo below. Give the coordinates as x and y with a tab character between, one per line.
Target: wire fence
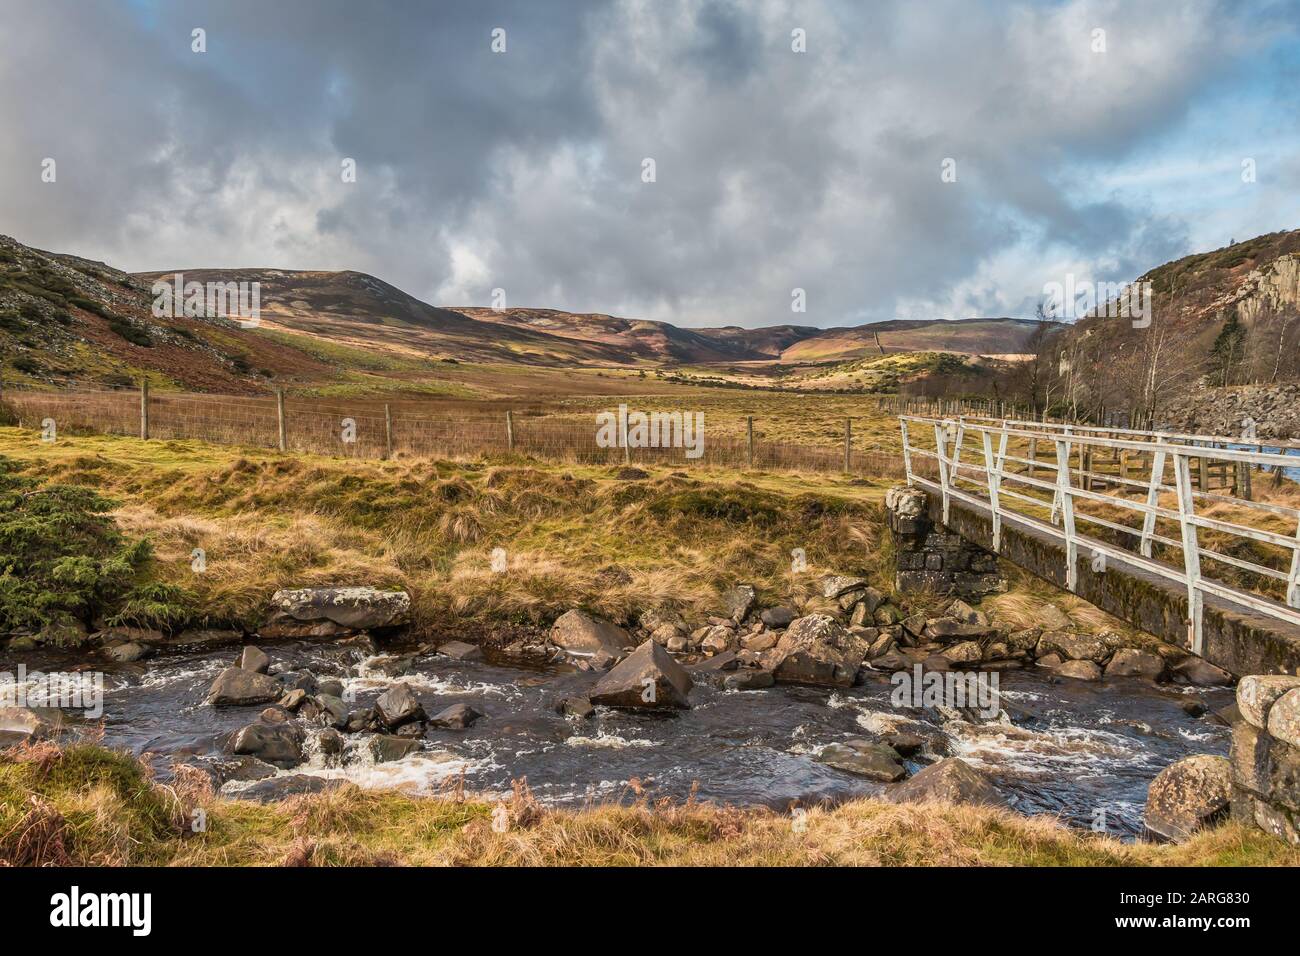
373	429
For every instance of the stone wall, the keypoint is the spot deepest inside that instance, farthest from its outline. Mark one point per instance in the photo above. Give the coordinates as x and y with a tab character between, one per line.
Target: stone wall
928	556
1265	755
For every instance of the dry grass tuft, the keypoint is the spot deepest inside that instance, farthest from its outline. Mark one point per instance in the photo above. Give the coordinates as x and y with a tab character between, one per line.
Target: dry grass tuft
38	839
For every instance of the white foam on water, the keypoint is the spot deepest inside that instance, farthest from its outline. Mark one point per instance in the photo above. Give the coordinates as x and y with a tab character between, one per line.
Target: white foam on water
1075	751
164	676
1196	736
422	772
1021	694
608	740
368	679
882	722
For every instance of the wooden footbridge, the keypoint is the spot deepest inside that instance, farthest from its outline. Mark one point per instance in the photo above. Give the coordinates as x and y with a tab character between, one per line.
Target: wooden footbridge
1190	537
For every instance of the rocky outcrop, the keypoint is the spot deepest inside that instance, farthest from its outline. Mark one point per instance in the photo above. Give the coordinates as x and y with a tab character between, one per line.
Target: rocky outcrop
1188	795
648	678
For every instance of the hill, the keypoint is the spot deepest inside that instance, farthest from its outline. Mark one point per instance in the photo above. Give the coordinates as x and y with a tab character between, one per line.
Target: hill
1218	320
990	336
65	318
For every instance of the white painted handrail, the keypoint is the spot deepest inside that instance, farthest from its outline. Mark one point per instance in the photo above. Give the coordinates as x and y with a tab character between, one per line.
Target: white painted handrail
1065	485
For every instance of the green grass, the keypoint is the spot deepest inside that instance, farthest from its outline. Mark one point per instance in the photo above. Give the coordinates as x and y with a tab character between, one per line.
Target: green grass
574	535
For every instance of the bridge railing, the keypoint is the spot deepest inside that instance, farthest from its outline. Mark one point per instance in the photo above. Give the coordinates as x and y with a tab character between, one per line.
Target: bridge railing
1161	481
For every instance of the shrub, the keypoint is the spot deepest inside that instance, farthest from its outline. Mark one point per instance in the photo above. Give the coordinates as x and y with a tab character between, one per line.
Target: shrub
63	559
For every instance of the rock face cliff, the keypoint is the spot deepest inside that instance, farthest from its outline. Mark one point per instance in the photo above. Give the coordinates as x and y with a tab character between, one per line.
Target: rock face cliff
1273	288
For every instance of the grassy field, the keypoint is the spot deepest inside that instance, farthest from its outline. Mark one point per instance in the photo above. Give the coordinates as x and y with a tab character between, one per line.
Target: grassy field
574	535
83	805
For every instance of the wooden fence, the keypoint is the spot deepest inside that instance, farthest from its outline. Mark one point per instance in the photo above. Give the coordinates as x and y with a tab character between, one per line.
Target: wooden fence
373	429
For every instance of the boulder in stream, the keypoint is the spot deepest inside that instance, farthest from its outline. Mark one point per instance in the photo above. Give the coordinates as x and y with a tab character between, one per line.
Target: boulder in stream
578	632
24	724
1188	795
386	747
397	706
646	678
460	651
128	653
817	649
279	743
1132	662
254	659
236	687
951	780
455	717
866	758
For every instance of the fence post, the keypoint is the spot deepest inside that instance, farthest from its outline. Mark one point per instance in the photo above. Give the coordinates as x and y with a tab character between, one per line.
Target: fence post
907	451
749	439
993	472
510	431
144	408
1191	549
1293	577
1153	499
848	443
388	431
941	445
279	414
1067	514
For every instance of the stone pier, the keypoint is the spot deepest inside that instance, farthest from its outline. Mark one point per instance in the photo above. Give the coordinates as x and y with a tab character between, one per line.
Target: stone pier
927	556
1266	755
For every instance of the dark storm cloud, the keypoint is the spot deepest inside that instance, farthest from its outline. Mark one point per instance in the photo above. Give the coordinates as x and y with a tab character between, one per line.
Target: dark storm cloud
522	170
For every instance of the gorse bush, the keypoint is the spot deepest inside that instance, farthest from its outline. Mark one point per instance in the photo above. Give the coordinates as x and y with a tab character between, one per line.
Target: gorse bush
63	561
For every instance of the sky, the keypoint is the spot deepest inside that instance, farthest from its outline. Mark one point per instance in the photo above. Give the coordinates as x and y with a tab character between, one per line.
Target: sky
915	159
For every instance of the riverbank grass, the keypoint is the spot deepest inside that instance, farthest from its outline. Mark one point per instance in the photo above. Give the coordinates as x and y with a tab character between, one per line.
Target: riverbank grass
80	804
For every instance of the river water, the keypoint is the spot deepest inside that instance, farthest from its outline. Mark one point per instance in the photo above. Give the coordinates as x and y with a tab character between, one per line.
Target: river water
1085	752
